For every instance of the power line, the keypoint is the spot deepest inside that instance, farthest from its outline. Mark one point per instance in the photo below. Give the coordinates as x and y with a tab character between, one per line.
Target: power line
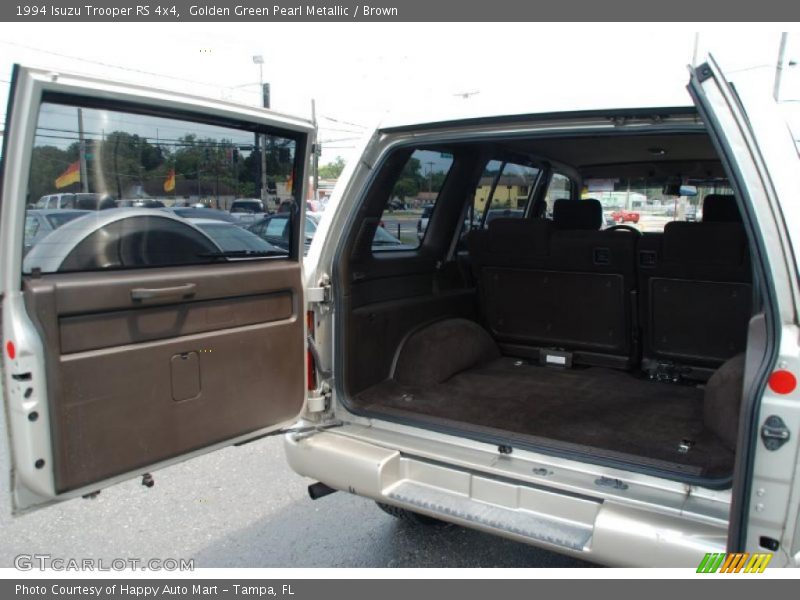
342	121
109	65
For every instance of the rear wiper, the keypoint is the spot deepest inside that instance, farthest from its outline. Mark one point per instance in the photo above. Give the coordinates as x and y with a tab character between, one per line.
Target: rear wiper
243	253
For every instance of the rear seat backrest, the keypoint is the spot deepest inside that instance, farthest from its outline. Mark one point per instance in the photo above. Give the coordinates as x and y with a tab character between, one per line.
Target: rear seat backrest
558	284
719	208
695	288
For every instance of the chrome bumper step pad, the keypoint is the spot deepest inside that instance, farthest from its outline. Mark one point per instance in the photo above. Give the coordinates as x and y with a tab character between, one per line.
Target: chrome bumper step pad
515	521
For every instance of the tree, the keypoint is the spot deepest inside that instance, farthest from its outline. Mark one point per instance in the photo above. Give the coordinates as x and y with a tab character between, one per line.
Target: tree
410	181
332	170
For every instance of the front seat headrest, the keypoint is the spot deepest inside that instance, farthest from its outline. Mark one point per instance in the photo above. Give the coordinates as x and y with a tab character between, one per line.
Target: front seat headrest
721	208
578	214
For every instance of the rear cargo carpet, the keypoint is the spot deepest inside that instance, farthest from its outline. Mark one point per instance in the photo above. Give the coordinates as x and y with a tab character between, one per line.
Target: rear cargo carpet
617	414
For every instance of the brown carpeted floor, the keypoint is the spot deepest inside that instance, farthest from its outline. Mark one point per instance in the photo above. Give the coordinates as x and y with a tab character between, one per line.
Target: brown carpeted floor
617	414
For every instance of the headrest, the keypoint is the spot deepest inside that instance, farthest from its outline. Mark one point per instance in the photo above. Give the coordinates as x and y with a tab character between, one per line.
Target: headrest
523	237
578	214
705	243
721	208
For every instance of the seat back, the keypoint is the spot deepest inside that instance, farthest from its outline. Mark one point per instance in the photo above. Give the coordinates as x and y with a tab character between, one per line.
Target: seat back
559	284
696	291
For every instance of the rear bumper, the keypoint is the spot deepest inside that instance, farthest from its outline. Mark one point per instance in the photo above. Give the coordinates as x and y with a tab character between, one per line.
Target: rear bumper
590	527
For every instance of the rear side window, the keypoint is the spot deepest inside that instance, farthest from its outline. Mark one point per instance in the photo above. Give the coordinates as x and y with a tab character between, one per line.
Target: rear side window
412	201
120	164
503	191
559	188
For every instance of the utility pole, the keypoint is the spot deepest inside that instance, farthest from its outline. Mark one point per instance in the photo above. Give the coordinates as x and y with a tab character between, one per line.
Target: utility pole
430	175
259	60
779	66
315	153
82	153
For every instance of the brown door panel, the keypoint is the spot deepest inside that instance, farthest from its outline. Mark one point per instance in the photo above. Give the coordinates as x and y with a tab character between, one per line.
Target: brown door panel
117	328
134	383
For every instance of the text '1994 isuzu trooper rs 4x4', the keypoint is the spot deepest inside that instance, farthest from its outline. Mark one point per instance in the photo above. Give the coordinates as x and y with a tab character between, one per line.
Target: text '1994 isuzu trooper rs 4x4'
530	368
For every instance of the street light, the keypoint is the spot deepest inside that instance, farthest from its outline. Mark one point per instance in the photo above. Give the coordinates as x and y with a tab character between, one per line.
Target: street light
258	59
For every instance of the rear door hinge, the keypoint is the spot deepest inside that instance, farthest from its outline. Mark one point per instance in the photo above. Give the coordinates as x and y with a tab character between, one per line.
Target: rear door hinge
319	295
319	400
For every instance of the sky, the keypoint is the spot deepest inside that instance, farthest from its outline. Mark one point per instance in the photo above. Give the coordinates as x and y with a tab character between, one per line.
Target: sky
359	72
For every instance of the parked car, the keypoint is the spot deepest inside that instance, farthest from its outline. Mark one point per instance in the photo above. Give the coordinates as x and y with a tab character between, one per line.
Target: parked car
247	210
503	213
116	239
202	212
275	230
139	203
422	223
232	238
80	200
625	216
629	399
40	222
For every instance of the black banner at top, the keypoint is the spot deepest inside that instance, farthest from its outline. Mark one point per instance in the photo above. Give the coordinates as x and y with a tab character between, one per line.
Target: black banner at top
266	11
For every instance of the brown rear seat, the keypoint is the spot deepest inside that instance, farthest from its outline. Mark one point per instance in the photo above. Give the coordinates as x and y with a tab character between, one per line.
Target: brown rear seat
560	284
695	289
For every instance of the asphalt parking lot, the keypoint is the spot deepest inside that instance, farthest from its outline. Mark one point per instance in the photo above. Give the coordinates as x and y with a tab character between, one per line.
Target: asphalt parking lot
244	507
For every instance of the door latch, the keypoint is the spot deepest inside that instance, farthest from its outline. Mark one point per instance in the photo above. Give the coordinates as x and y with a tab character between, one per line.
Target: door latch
774	433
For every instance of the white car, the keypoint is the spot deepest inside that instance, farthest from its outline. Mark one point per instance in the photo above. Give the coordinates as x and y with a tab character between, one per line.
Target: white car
247	210
626	398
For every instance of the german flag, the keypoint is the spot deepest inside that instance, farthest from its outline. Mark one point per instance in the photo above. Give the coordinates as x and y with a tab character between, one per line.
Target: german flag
70	176
169	184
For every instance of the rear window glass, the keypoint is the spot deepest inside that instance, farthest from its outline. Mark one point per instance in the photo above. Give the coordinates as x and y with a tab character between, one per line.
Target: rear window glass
412	201
649	204
57	219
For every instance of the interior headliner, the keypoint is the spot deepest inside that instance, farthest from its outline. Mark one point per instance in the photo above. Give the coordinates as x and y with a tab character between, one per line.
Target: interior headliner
637	155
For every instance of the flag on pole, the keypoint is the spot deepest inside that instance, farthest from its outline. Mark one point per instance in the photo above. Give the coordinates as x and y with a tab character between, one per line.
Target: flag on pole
70	176
169	184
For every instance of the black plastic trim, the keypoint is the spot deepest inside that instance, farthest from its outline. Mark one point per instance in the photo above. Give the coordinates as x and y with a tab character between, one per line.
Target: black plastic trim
636	113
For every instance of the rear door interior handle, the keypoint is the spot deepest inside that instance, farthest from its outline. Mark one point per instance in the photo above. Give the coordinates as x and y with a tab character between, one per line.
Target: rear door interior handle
185	291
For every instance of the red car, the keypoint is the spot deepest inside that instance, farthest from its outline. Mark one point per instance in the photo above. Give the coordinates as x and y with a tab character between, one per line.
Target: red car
625	216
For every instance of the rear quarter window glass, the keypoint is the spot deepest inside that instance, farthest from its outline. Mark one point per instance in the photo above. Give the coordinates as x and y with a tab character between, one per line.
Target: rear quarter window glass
412	201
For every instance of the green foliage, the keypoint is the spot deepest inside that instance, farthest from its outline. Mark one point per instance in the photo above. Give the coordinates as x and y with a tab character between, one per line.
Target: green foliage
410	181
332	170
125	165
47	163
